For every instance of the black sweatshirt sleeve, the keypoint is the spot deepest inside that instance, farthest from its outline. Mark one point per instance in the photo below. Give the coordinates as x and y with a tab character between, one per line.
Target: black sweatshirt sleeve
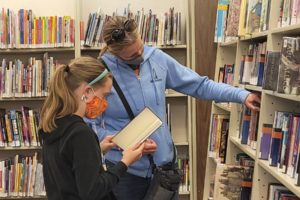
92	182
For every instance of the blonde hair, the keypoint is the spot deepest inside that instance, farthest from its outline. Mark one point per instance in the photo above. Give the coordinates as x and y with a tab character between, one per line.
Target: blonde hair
113	23
62	100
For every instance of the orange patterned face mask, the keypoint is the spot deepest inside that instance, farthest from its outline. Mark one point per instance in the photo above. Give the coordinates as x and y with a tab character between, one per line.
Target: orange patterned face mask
95	107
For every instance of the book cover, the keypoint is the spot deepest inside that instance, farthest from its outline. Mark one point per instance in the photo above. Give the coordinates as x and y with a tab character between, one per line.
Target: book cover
232	182
265	141
289	69
139	129
275	146
245	125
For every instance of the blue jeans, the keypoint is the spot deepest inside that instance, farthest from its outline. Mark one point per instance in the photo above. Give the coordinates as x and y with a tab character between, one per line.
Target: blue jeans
130	187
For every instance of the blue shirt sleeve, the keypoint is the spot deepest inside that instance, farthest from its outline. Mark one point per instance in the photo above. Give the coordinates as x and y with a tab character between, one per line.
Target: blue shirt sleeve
186	81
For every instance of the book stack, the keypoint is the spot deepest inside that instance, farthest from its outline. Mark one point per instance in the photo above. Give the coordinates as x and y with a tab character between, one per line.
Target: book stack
155	30
218	137
26	80
19	128
23	29
280	144
22	176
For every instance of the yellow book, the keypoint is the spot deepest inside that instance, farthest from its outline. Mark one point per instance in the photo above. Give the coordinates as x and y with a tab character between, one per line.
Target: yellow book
243	16
138	130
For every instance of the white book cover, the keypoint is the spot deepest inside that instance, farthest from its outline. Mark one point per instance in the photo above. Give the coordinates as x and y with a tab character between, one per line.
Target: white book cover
138	130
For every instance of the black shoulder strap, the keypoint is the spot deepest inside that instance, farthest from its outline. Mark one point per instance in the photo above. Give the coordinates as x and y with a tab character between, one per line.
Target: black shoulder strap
121	94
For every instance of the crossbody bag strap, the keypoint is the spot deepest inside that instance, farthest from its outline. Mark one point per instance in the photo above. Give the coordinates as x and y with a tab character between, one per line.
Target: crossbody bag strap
121	94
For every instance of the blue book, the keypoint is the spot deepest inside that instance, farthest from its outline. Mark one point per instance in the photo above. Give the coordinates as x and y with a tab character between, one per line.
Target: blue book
21	26
246	125
275	146
265	141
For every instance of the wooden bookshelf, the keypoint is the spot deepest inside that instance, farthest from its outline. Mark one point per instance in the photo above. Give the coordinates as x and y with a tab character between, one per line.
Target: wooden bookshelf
244	147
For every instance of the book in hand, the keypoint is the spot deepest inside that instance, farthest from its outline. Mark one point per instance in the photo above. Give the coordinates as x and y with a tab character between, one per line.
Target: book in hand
138	130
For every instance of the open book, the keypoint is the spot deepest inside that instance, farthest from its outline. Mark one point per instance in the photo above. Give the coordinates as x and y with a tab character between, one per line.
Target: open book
138	130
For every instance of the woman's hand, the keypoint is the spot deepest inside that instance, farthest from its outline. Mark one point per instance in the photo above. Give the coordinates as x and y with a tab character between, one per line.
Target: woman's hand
253	101
106	144
150	146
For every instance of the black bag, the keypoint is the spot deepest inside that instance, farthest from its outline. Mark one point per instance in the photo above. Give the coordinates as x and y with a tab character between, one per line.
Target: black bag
166	179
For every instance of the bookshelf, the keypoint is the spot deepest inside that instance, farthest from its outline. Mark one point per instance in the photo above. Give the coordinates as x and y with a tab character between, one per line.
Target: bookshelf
180	104
271	101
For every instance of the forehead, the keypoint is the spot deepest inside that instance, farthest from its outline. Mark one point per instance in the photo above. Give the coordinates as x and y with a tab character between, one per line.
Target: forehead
132	49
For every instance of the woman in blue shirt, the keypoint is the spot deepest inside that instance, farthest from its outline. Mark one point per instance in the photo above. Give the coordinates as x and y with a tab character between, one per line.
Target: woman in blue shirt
143	74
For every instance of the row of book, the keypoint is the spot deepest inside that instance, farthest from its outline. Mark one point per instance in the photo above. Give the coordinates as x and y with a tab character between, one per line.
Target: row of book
19	128
233	181
23	29
252	65
156	30
282	71
18	79
273	70
218	137
248	127
226	74
279	192
21	176
241	17
183	165
289	13
280	143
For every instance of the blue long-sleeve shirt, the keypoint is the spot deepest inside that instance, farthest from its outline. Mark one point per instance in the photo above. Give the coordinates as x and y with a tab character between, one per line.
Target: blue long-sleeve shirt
158	72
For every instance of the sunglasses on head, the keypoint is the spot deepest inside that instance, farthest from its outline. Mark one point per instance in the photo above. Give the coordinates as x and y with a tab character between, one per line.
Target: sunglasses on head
117	35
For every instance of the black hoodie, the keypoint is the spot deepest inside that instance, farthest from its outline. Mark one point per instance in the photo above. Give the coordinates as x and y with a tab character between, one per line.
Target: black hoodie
72	163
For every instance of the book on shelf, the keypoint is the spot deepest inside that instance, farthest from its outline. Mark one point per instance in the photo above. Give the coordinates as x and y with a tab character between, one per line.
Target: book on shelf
22	176
289	68
234	181
220	28
155	29
218	136
271	71
280	143
231	32
138	129
279	192
183	165
253	64
23	29
30	79
248	127
226	74
19	128
253	16
265	13
243	18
